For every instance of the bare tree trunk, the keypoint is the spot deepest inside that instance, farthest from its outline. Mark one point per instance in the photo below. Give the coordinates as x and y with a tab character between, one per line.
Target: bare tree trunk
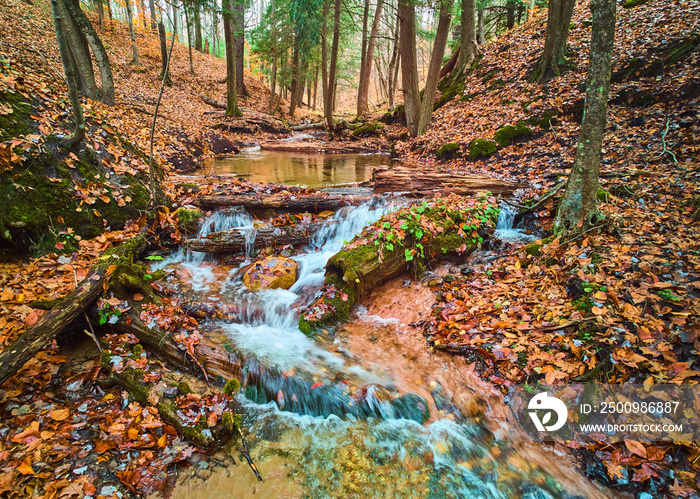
164	73
109	10
197	26
554	53
409	64
142	12
468	49
229	40
174	21
295	77
71	80
98	50
480	27
79	53
394	68
324	57
330	98
189	35
101	14
239	26
154	19
443	30
578	207
315	88
134	49
363	91
363	57
510	15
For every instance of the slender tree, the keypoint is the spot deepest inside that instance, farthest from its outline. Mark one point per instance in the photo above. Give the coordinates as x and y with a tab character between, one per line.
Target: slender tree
71	79
130	20
420	110
329	100
232	108
366	63
468	48
239	27
554	53
578	207
187	9
197	26
165	72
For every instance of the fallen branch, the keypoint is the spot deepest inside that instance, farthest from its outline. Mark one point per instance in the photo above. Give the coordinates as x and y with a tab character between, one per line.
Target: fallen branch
240	239
543	199
67	310
313	203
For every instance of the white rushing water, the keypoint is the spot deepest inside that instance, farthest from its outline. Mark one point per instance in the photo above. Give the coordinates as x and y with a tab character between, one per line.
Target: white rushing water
505	230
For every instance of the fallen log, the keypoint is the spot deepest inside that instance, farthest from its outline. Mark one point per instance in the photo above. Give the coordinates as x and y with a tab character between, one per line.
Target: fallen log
312	203
316	147
409	239
321	125
239	239
422	183
67	310
212	101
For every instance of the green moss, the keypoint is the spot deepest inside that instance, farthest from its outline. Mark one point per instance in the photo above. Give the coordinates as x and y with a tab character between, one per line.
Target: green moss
228	422
183	388
14	124
505	135
232	386
368	129
583	304
602	195
137	351
447	150
188	218
449	93
630	4
545	120
481	147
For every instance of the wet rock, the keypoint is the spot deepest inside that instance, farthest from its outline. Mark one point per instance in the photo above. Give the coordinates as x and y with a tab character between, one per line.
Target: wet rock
534	492
271	272
454	270
449	278
411	406
466	271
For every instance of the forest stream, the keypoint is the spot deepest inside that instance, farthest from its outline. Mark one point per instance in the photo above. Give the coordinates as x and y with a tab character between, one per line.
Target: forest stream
425	425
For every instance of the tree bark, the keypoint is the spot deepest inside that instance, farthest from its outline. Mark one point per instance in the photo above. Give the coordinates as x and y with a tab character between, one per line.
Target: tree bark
174	22
134	49
394	63
231	83
239	26
363	91
59	318
295	77
312	203
554	53
409	64
420	183
71	80
324	56
578	207
98	50
101	14
330	98
154	19
239	240
197	26
142	6
426	105
79	54
363	56
468	48
189	35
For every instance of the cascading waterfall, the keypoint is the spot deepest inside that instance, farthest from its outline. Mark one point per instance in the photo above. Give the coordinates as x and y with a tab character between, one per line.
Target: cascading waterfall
505	230
300	404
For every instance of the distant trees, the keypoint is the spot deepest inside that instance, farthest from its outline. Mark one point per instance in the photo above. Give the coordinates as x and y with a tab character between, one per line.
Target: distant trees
578	207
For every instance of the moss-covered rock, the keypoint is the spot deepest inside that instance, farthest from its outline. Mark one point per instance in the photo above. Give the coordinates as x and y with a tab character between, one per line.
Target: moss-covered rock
481	147
506	135
368	129
397	116
188	219
409	239
447	151
630	4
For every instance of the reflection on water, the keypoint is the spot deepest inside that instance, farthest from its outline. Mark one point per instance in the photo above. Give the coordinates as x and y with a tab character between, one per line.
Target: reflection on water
310	170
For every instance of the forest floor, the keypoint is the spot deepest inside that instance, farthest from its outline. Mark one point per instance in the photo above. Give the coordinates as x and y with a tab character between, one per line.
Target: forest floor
620	300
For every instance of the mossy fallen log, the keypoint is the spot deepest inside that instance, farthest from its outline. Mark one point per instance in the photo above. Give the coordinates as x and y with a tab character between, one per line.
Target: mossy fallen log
313	203
408	240
239	239
67	310
189	413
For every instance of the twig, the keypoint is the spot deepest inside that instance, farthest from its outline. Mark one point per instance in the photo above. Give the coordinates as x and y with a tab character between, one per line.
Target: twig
246	454
538	203
663	143
573	239
153	126
91	333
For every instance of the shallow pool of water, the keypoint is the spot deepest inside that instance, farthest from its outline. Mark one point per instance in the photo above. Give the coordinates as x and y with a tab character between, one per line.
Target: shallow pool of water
289	168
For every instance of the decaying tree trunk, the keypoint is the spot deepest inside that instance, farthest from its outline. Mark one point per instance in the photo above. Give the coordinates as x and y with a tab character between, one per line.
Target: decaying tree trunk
427	183
238	240
60	317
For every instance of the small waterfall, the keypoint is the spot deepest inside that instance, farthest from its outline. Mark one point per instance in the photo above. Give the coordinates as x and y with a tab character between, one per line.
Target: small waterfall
230	218
505	230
